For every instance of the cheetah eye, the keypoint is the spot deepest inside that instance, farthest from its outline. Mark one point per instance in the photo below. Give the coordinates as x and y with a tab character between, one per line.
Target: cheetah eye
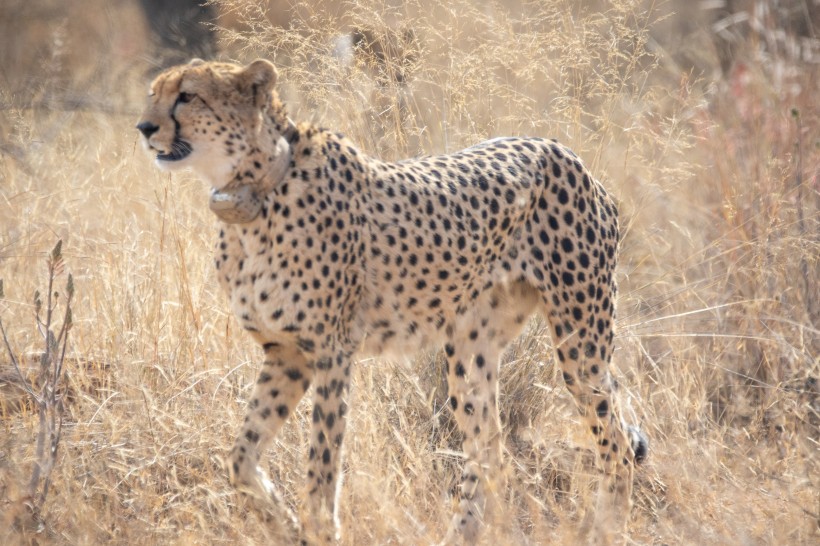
186	97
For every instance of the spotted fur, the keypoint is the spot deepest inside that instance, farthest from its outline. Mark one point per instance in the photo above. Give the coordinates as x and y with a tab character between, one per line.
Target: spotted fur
327	255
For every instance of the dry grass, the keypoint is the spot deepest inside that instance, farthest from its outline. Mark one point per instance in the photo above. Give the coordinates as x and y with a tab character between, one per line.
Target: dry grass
718	346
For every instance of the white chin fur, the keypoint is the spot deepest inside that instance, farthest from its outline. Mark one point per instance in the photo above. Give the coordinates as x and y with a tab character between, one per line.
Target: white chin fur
212	167
216	171
178	165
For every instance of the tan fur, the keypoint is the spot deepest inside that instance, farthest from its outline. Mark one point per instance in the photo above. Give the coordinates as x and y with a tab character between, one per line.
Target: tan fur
351	256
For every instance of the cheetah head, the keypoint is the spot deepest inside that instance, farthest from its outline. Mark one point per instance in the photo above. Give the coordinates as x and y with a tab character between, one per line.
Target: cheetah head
225	122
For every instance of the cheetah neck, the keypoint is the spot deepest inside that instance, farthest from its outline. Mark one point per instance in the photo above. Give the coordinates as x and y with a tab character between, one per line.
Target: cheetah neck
240	201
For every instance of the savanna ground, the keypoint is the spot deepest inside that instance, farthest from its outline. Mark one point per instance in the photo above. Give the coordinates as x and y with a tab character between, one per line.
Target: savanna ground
715	167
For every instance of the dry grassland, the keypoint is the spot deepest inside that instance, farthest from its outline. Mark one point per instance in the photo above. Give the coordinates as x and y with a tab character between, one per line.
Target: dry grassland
718	348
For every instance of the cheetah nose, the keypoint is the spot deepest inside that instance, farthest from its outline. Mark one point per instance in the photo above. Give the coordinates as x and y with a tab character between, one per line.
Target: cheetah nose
147	128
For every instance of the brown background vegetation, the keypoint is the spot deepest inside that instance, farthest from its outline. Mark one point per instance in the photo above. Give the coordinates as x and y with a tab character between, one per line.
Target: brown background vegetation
704	124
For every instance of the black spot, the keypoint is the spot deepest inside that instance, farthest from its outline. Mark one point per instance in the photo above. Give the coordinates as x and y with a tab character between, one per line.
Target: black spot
307	345
602	409
563	196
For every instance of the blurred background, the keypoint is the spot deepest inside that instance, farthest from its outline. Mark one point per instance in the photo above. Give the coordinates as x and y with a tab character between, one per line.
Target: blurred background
702	119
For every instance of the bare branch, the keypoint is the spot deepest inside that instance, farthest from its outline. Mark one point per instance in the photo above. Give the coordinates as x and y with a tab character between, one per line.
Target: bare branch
16	365
48	402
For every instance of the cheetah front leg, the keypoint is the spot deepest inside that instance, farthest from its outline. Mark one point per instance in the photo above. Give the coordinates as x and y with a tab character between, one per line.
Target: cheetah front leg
285	376
332	381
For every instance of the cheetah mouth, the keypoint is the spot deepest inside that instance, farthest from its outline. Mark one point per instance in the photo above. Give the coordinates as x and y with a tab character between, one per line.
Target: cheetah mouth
180	149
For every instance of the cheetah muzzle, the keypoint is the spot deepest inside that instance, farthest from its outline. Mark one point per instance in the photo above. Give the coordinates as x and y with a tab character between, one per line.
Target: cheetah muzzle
179	151
328	256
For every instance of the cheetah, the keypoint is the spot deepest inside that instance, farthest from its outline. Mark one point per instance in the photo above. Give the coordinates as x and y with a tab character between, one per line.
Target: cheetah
328	255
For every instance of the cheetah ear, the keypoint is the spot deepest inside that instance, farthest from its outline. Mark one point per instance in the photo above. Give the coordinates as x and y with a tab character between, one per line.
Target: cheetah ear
196	62
257	80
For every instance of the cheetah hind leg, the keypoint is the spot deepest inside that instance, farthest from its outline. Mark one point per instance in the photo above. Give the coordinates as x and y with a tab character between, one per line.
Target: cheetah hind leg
473	389
614	501
473	509
477	341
